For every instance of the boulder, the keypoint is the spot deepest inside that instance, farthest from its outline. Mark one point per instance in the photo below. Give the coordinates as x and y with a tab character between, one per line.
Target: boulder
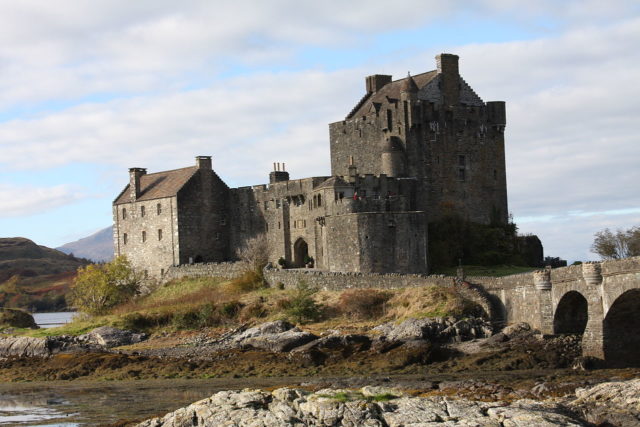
24	347
440	329
616	403
279	342
109	337
516	329
17	318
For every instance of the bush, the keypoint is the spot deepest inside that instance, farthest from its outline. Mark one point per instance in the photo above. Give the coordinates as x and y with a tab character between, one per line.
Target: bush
255	310
186	319
247	282
208	315
141	322
230	309
363	303
99	287
302	307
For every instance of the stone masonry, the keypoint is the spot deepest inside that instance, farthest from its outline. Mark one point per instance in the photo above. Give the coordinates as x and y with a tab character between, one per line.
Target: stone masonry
410	150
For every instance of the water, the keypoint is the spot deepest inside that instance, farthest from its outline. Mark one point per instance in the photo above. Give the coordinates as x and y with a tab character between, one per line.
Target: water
83	403
52	320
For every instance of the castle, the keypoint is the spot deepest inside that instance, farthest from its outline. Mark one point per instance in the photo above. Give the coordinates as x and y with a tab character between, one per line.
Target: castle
408	152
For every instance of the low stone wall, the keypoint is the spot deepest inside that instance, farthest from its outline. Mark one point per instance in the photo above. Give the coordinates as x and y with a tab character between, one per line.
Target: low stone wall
226	270
335	281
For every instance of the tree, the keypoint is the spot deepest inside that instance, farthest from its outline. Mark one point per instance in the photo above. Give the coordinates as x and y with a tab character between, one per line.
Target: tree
621	244
255	252
99	287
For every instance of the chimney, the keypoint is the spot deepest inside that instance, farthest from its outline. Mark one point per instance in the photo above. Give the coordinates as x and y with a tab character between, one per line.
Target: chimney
203	162
449	76
278	175
134	181
376	82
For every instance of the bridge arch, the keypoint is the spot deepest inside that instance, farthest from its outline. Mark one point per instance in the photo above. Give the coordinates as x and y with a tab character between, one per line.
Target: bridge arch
571	314
621	330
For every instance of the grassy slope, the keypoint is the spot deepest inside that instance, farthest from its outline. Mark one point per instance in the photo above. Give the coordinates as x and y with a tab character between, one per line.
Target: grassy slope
213	303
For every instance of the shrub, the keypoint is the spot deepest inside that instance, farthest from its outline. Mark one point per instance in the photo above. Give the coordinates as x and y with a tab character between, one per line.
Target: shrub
247	282
230	309
302	307
363	303
140	322
208	315
186	319
255	310
99	287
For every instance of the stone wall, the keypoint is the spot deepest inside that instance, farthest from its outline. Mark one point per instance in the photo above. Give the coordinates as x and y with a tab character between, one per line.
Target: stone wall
225	270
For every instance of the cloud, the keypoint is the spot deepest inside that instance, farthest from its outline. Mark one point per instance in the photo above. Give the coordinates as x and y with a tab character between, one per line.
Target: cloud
20	201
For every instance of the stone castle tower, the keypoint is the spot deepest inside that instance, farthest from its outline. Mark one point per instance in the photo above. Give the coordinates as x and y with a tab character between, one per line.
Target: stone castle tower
410	151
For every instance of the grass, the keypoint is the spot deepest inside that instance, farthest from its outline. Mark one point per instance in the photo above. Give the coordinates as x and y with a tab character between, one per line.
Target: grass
343	397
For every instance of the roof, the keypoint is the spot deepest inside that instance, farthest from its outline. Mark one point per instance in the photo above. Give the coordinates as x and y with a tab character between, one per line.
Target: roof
334	181
158	185
392	90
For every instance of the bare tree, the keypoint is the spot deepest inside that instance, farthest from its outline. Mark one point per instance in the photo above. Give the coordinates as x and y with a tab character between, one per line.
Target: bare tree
254	252
621	244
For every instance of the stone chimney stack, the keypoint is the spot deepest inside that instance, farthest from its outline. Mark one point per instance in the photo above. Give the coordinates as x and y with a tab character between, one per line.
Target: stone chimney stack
449	77
376	82
278	175
134	181
203	162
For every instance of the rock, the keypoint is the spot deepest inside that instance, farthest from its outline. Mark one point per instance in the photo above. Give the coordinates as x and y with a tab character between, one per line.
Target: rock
344	407
435	329
24	347
17	318
109	337
279	342
268	328
617	403
516	329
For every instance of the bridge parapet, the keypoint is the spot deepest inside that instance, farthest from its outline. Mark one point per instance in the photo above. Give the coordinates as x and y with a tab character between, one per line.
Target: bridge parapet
542	280
592	273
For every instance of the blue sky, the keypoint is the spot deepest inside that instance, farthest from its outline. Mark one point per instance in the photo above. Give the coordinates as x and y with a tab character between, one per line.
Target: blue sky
89	89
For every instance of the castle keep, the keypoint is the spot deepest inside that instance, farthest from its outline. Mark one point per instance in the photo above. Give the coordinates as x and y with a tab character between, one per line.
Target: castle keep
409	151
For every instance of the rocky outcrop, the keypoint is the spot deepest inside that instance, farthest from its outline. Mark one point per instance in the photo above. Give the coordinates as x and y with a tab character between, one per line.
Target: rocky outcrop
438	329
17	318
616	403
365	407
100	339
109	337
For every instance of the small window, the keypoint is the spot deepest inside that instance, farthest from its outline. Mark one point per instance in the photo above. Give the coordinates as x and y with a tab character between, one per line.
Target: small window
279	225
277	203
266	205
141	210
217	236
161	272
144	236
159	234
495	175
159	208
124	213
223	221
389	119
461	161
124	238
319	200
461	174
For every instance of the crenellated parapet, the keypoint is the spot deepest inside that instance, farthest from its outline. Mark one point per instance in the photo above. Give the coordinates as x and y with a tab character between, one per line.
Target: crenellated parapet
542	280
592	273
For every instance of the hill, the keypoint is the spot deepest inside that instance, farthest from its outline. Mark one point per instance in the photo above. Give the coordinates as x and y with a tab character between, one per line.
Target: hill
97	247
33	276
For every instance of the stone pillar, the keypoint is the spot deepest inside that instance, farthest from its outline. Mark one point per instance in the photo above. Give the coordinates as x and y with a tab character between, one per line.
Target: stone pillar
542	282
593	338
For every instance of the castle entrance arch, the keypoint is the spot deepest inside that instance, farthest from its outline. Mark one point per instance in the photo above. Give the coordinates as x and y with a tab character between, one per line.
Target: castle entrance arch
300	252
621	330
571	314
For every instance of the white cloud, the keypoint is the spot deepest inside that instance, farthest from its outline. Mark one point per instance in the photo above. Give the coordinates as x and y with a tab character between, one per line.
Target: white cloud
29	200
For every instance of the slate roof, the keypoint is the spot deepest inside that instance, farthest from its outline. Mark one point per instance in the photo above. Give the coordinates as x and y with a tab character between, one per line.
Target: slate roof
391	90
158	185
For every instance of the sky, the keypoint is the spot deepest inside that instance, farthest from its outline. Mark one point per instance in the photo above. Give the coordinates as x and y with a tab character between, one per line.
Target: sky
89	89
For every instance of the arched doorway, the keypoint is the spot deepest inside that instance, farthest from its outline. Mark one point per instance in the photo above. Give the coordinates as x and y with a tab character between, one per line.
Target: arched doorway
300	252
622	331
571	314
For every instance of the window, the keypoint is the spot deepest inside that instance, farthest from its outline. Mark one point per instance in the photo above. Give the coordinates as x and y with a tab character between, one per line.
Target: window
217	236
124	238
495	175
124	213
141	210
159	208
159	234
144	236
266	205
461	174
161	272
389	119
461	161
223	221
319	200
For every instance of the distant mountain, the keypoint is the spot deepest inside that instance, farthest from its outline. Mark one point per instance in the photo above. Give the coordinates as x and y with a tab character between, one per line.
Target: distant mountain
20	256
97	247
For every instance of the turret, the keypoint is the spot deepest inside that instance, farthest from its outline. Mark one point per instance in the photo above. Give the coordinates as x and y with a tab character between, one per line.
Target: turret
449	77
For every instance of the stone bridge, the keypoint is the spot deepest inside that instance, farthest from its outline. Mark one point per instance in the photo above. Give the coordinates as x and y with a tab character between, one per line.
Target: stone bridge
600	300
